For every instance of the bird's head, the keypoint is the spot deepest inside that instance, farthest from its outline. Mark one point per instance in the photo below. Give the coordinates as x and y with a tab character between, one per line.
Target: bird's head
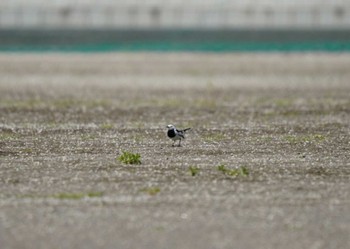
170	126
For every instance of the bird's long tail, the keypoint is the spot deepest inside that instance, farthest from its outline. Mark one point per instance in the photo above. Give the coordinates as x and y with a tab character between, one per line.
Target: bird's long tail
184	130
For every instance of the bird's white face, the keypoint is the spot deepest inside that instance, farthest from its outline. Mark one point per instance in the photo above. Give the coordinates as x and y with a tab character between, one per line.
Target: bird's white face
170	126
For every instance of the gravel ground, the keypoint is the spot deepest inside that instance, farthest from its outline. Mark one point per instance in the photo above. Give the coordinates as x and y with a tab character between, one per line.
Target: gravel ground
266	164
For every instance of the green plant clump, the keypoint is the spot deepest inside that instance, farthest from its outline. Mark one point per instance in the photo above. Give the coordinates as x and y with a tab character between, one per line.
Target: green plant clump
193	170
241	171
130	158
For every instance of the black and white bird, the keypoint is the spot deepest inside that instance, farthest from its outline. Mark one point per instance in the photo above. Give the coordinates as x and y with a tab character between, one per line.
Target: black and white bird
176	134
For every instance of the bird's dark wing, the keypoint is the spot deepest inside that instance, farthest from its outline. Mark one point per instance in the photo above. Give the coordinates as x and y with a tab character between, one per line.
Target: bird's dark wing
184	130
181	133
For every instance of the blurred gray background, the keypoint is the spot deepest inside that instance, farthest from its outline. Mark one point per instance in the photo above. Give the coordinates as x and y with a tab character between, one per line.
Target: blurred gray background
175	25
231	14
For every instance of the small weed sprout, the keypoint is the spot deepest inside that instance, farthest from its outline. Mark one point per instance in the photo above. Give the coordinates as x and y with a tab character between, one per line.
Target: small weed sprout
106	126
130	158
241	171
27	151
151	190
222	168
193	170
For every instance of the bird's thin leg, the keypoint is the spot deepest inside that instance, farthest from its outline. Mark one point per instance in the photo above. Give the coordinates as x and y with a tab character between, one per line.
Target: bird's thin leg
180	143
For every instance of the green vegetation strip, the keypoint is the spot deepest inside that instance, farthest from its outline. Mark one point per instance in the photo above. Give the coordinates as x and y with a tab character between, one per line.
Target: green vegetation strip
130	158
66	195
151	190
238	172
314	138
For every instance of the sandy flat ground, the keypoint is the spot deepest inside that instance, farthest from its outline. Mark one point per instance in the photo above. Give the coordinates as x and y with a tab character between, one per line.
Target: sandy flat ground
276	124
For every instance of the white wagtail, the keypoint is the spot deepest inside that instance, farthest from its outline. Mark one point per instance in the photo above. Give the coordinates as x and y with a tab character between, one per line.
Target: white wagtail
176	134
